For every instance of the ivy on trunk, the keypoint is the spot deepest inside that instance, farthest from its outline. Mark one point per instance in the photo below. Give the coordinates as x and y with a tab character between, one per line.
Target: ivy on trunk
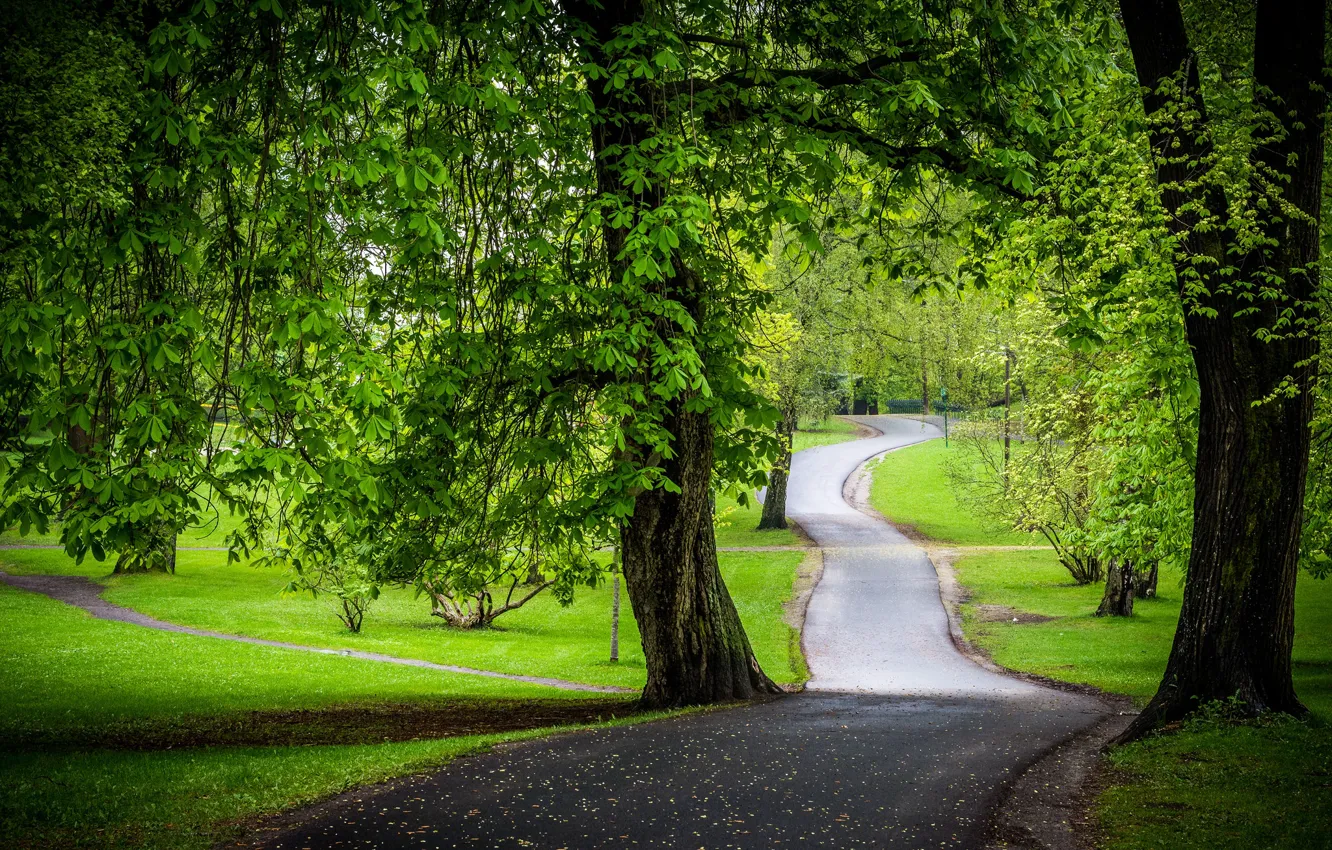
1254	364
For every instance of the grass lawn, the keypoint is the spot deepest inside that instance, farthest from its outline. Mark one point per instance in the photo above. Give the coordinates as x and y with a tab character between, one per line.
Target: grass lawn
812	432
1210	783
911	487
65	671
543	638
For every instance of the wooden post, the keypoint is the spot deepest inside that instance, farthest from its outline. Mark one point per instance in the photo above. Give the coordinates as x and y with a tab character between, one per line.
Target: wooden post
1008	379
615	606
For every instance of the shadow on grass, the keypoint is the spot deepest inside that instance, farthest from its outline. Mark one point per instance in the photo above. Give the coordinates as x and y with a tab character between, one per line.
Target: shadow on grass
352	723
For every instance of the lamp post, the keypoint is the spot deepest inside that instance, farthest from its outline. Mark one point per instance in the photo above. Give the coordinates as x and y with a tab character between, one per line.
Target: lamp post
943	403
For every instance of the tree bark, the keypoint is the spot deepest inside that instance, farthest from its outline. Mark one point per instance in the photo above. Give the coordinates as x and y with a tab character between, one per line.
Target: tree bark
1144	586
774	501
696	649
1236	625
1119	585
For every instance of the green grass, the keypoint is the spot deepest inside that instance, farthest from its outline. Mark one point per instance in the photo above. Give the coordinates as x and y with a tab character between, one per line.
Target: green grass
1216	784
1209	784
737	525
66	672
911	487
543	638
64	669
811	432
1121	655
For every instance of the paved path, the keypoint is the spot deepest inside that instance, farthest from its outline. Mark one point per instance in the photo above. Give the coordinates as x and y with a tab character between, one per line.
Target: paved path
900	741
86	594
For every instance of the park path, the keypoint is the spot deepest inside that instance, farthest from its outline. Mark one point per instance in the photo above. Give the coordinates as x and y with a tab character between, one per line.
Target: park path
876	623
899	741
87	594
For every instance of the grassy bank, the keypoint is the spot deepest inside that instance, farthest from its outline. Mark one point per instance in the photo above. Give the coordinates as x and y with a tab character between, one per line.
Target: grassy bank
911	486
1213	782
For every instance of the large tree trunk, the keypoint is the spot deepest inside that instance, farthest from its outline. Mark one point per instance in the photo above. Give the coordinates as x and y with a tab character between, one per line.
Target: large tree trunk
1236	626
696	650
774	500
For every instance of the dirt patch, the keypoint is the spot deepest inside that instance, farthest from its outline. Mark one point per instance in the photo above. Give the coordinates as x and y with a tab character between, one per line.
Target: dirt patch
375	723
1004	614
1051	805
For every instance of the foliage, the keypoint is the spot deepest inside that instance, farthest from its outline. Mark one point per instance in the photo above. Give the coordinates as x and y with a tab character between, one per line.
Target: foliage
448	273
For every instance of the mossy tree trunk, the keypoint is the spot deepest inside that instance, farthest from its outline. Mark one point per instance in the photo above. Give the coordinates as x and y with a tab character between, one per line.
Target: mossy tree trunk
696	649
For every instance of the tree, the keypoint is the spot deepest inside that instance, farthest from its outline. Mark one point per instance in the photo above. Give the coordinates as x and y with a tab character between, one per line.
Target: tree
1254	363
471	281
784	352
1047	485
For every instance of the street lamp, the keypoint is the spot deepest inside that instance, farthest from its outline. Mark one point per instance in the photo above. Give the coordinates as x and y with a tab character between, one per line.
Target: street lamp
943	403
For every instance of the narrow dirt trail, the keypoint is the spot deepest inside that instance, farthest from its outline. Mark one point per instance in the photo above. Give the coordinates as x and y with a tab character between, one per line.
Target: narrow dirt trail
900	741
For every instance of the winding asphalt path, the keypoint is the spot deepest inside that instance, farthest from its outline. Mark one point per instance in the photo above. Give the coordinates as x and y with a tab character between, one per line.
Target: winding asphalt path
898	742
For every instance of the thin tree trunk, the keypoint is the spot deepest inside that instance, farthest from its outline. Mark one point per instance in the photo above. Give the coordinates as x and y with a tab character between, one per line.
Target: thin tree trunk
1008	403
1119	585
924	385
1236	624
696	649
774	501
1145	585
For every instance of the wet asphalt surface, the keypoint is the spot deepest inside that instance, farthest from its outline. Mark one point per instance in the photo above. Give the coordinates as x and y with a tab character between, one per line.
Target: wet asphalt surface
899	741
